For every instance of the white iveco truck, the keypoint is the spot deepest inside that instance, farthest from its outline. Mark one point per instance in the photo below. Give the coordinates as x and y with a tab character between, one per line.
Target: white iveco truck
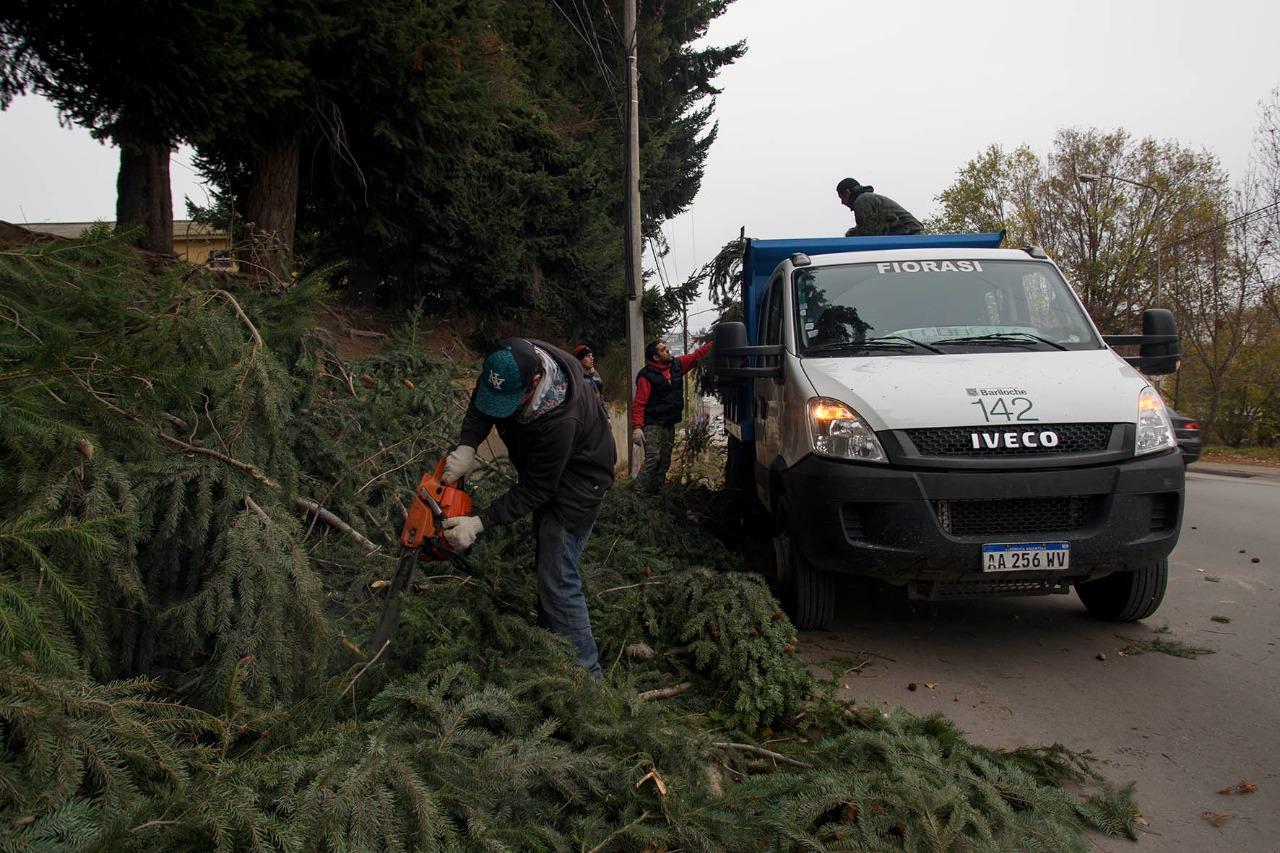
938	412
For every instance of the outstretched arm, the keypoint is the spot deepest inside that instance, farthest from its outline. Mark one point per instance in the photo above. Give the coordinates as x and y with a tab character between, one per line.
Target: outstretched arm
637	406
688	361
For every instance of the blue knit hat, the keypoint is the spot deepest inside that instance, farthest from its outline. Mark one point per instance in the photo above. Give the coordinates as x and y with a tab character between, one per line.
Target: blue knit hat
506	373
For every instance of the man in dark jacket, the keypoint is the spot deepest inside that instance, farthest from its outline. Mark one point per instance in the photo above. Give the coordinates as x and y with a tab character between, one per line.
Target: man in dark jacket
875	214
558	438
658	407
587	359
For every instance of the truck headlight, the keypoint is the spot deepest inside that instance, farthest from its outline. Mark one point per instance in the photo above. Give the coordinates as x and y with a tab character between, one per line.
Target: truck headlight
1155	429
838	431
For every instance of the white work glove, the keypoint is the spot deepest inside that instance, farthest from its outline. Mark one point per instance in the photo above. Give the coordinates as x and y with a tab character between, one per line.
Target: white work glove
637	436
461	531
460	462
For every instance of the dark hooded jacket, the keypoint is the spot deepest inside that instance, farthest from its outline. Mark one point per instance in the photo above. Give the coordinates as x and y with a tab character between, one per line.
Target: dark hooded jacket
877	214
564	458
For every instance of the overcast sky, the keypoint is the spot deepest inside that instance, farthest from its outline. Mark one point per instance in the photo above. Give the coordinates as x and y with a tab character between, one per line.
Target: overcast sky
896	94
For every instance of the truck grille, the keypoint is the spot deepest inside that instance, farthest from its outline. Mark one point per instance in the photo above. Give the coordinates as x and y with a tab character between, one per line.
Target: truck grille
1015	516
986	587
958	441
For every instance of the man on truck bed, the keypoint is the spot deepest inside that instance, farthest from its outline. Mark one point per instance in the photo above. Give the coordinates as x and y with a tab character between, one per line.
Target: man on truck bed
875	214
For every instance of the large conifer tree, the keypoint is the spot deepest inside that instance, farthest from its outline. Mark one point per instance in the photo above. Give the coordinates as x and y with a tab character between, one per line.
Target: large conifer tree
143	75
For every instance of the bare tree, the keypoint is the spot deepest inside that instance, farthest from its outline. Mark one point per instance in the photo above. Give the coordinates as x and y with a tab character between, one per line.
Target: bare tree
1105	235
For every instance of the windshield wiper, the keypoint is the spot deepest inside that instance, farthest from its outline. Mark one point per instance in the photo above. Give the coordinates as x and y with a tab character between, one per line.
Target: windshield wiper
1002	337
884	342
920	344
833	346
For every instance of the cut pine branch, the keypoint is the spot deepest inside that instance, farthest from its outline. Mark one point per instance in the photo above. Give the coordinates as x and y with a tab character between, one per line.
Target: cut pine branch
244	318
664	692
177	442
333	521
763	753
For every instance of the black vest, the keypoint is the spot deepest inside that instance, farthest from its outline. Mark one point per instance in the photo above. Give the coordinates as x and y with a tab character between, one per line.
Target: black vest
666	396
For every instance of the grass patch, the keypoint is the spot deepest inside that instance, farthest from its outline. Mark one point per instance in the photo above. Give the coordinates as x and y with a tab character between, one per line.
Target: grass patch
1163	629
1175	648
843	665
1247	455
1221	620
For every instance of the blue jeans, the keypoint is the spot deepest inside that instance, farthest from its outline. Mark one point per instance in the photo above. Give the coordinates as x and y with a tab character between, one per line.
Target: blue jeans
562	607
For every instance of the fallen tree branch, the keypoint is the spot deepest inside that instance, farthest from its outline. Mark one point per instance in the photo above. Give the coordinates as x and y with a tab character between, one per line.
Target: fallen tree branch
258	511
348	329
628	586
244	318
333	521
763	753
664	692
365	667
177	442
604	844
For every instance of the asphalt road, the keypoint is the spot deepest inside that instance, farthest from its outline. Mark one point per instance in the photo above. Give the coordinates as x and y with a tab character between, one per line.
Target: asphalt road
1015	672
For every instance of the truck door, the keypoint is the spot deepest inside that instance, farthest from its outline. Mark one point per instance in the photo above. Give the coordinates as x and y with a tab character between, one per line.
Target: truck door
768	392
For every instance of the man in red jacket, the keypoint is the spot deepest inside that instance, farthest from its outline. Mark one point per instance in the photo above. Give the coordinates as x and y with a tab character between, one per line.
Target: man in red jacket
658	407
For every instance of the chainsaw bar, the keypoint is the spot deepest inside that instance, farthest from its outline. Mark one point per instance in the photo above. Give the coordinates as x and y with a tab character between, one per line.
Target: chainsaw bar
391	608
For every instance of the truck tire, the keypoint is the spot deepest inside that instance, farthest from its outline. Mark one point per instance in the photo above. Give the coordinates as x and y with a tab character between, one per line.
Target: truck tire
808	594
1126	596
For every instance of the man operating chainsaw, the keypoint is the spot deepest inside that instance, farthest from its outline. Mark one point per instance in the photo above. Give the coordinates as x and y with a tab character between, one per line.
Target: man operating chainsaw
558	437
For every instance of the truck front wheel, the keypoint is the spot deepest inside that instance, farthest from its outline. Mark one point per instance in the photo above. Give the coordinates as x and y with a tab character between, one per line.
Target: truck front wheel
1126	596
808	594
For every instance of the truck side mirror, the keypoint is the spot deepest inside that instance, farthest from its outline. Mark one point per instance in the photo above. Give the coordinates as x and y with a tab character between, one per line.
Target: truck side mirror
726	338
1158	350
1159	356
731	355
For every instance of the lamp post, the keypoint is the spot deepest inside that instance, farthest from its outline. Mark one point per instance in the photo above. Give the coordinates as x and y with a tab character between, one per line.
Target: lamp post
1093	177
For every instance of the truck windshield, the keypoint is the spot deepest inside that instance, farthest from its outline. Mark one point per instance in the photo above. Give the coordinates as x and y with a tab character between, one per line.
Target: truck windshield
938	306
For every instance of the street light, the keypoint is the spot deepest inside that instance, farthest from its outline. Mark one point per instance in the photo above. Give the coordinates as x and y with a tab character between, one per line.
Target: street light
1093	177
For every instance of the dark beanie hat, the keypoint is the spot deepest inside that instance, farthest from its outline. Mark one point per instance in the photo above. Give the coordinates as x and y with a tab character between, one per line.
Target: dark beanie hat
581	351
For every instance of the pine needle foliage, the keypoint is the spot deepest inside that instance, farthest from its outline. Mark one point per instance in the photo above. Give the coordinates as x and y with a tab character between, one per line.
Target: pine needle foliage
181	642
75	756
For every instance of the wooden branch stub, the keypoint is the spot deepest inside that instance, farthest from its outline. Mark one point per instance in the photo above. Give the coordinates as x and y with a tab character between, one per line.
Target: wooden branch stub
244	318
664	692
764	753
333	521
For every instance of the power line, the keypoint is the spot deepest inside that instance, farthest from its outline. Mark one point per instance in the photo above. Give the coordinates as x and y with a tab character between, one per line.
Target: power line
1239	219
592	40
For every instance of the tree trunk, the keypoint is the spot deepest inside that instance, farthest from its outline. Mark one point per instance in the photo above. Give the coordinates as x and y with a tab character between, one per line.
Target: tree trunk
143	196
271	209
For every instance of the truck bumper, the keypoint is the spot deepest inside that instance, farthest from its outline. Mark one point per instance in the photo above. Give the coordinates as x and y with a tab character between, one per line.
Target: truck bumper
902	525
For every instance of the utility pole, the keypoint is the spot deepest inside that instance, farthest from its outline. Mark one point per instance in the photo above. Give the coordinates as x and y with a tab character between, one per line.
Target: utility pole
635	275
684	314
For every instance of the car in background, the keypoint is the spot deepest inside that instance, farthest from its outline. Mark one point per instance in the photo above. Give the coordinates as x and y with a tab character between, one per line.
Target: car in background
1187	430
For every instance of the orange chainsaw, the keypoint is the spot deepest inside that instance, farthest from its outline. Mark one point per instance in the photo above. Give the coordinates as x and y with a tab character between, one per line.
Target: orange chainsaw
422	536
